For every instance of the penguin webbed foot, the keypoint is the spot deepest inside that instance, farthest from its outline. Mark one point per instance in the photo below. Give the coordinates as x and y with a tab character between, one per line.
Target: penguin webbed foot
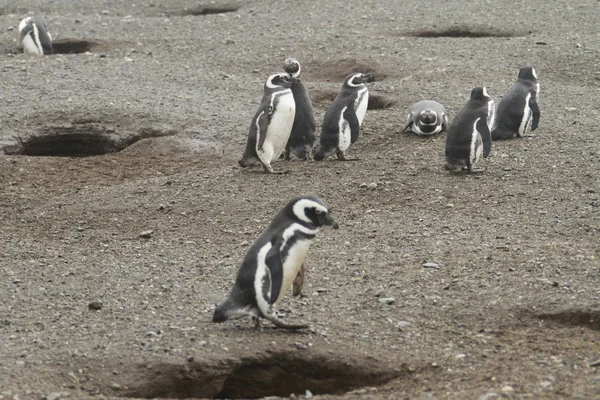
280	324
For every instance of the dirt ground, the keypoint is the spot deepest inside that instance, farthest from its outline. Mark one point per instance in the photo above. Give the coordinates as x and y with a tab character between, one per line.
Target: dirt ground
435	286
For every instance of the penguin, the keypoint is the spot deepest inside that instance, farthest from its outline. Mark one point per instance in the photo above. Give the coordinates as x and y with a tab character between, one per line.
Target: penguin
303	137
272	124
273	262
344	116
469	133
519	108
426	118
34	37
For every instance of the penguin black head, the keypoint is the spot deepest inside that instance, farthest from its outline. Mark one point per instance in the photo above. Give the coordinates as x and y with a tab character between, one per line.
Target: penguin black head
276	81
428	117
292	67
310	210
357	79
528	73
480	93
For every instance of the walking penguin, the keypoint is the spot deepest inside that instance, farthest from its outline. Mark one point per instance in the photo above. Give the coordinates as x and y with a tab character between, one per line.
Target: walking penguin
273	261
303	137
344	116
34	36
519	107
426	118
272	124
469	133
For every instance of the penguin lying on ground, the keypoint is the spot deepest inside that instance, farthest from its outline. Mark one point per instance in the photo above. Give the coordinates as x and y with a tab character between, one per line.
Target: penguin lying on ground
273	262
426	118
303	137
469	134
34	36
518	107
272	124
344	116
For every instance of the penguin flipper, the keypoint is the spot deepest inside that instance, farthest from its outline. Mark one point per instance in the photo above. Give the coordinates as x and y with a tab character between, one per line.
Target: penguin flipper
408	123
486	136
350	116
262	123
535	110
275	264
444	122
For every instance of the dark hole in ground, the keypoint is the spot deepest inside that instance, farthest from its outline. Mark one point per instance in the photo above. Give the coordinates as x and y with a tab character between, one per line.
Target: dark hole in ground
323	98
73	46
462	32
279	374
337	70
580	317
80	140
201	10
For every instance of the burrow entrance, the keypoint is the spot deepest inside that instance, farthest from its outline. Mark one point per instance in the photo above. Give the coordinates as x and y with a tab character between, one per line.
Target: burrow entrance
337	70
273	374
202	10
587	317
323	98
463	32
74	46
83	139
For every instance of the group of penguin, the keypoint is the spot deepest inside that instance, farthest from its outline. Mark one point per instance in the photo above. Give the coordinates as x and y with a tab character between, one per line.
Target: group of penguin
285	120
285	123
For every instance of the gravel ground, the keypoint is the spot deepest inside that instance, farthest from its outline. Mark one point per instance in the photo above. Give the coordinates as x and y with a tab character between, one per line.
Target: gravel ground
435	285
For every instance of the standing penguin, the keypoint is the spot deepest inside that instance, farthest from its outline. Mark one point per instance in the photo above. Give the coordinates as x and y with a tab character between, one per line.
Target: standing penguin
303	137
518	107
34	36
272	124
469	134
344	116
273	262
426	118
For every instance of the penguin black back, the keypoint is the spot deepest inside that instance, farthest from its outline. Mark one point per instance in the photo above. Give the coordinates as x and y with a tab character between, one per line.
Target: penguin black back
519	107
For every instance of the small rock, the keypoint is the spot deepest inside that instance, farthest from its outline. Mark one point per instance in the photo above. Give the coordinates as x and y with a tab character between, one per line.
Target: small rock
362	185
595	363
322	290
53	396
488	396
308	394
105	12
387	300
95	305
146	234
379	293
545	384
372	186
460	356
190	358
115	386
403	324
507	389
430	264
300	346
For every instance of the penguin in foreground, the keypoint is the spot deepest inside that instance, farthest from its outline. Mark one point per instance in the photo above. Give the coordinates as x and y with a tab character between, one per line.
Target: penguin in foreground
519	107
469	134
303	137
273	261
34	36
272	124
426	118
344	116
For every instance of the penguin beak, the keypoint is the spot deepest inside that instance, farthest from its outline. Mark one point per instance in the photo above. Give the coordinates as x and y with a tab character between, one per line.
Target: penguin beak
327	220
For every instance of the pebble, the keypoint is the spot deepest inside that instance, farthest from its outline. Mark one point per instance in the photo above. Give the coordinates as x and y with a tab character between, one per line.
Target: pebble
95	305
115	386
488	396
430	264
387	300
372	186
53	396
308	394
545	384
403	324
146	234
507	389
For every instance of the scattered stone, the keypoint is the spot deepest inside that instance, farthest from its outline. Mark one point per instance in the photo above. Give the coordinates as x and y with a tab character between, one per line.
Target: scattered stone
460	356
190	358
372	186
95	305
308	394
403	324
545	384
595	363
146	234
115	386
430	264
53	396
362	185
507	389
488	396
300	346
379	292
322	290
387	300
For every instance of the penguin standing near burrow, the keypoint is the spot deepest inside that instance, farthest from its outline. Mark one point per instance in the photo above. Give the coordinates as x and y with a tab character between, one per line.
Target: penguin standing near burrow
519	107
303	137
272	124
469	134
273	261
426	118
34	37
344	116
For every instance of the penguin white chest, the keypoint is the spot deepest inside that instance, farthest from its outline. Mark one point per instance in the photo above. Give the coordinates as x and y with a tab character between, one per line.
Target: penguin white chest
31	42
292	263
360	104
280	126
345	132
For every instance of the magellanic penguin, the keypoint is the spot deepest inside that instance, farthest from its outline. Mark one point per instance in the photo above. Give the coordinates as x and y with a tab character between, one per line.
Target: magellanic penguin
273	261
519	107
303	137
344	116
426	118
272	124
34	37
469	133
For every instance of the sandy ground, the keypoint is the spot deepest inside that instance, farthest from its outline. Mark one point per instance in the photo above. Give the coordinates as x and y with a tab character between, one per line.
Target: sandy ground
508	307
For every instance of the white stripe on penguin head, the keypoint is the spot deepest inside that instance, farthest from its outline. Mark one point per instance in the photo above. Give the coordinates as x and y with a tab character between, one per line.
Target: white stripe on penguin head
270	84
302	205
350	83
